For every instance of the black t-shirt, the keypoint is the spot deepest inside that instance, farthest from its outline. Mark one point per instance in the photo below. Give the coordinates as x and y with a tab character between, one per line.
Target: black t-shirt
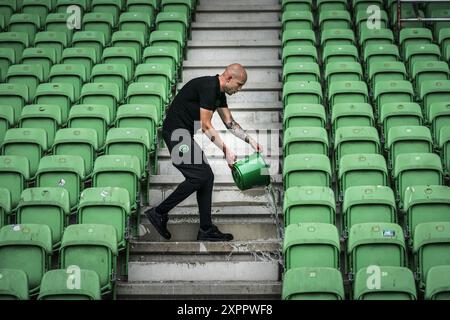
202	92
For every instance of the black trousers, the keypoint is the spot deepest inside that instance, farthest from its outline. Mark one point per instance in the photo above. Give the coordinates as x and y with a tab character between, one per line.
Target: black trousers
192	163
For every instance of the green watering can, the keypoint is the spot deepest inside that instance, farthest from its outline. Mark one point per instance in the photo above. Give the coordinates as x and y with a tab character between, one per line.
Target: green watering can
251	172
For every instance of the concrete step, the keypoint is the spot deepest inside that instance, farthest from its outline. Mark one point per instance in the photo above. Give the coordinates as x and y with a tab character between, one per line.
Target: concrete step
251	25
239	2
196	290
236	34
237	13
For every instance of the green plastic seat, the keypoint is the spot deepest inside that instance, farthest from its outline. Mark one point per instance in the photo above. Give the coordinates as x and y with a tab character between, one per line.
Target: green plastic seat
368	204
392	91
376	36
13	285
124	56
338	37
309	204
298	37
181	6
421	52
311	245
109	206
296	5
26	23
300	54
444	39
172	39
89	39
438	284
305	140
431	248
121	171
426	204
376	53
344	71
5	206
149	6
129	39
313	284
14	175
348	91
429	71
28	142
304	115
6	120
416	169
386	71
111	73
307	71
340	53
297	20
7	8
7	58
77	142
62	94
302	92
408	139
56	40
143	116
54	285
444	145
26	247
73	74
329	5
362	170
129	141
163	55
47	117
82	56
439	117
113	7
306	170
38	7
375	244
432	92
397	283
29	75
148	93
364	19
62	6
173	21
95	116
355	140
137	21
57	22
414	36
334	19
99	22
48	206
15	40
16	96
440	25
351	114
399	114
91	247
44	57
107	94
156	73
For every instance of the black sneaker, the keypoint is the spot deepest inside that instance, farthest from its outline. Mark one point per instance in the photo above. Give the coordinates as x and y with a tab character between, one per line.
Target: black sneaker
213	234
159	221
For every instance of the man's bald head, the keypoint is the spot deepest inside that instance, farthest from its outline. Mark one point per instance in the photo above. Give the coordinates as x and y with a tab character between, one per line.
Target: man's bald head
233	78
236	71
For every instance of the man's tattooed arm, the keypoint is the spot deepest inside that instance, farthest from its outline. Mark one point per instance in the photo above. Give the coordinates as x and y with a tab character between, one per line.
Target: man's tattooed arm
236	130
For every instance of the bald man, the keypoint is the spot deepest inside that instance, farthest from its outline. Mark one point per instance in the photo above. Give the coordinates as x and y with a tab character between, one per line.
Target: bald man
192	109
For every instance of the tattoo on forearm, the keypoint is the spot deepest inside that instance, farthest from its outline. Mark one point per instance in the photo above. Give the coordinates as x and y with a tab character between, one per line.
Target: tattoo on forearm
236	129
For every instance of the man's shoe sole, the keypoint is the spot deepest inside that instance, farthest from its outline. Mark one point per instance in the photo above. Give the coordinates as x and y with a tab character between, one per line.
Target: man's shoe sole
215	240
155	225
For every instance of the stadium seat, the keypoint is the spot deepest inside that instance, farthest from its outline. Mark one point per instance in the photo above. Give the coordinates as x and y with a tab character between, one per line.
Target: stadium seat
26	247
313	284
414	36
307	170
334	19
439	25
156	73
54	40
374	54
7	58
426	204
91	247
89	39
297	20
112	7
13	285
173	21
309	204
415	169
431	248
44	57
302	92
340	37
397	283
378	37
408	139
365	19
345	71
348	91
143	116
124	56
64	172
62	6
121	171
392	91
39	7
439	117
107	94
48	206
421	52
339	53
172	39
305	140
299	54
14	176
129	39
15	40
16	96
99	22
7	8
386	71
163	55
77	142
364	204
137	21
351	114
148	93
380	244
57	22
182	6
438	285
111	73
93	116
311	245
444	39
6	120
108	206
296	5
298	38
432	92
304	115
5	206
399	114
47	117
86	57
54	285
29	75
328	5
62	94
429	71
25	23
73	74
363	5
305	71
362	170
